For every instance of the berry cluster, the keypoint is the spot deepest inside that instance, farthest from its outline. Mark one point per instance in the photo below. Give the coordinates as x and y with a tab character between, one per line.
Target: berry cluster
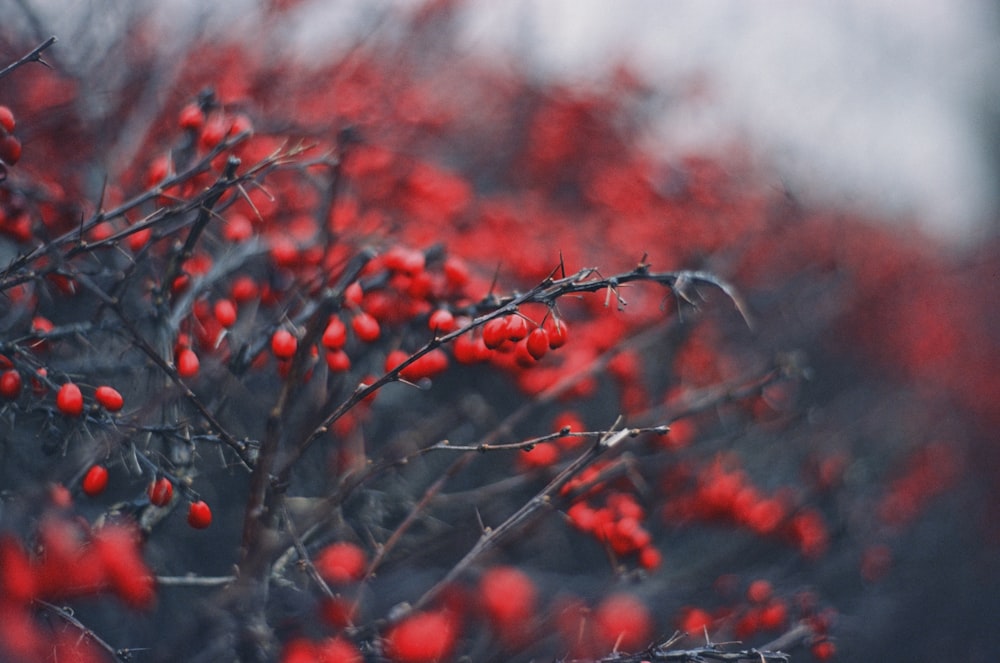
10	146
71	560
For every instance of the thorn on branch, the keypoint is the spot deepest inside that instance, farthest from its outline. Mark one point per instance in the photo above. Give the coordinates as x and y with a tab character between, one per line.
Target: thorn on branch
35	55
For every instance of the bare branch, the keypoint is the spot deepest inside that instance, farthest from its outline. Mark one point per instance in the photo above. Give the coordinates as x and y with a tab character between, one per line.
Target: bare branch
35	55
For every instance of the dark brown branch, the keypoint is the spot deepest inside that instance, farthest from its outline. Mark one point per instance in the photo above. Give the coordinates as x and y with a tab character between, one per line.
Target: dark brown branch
264	487
205	212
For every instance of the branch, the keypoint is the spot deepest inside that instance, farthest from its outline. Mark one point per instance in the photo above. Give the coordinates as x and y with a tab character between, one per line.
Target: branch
242	448
528	444
194	581
35	55
493	537
67	615
546	292
708	653
255	560
205	212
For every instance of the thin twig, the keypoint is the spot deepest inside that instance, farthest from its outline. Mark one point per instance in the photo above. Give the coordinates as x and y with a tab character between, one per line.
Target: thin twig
242	449
35	55
709	653
492	537
67	616
194	581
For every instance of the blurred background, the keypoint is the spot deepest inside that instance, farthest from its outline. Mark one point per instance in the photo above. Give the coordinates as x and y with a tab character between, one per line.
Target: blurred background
889	107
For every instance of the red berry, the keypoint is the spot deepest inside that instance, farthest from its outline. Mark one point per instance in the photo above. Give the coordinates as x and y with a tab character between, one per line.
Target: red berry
394	359
517	328
456	273
159	169
335	335
244	289
353	294
695	620
300	650
37	384
109	398
442	321
6	119
10	384
774	615
284	344
406	261
341	563
115	549
681	434
427	366
338	649
556	330
187	363
191	117
95	480
823	651
582	516
161	492
199	515
330	650
338	361
650	558
237	229
214	132
538	343
495	333
225	312
41	325
10	150
366	381
508	596
69	400
623	620
522	357
759	591
542	455
137	240
570	422
469	349
241	124
60	497
426	637
284	251
366	327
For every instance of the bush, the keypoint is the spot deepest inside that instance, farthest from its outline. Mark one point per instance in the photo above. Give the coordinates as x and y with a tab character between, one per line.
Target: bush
429	361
